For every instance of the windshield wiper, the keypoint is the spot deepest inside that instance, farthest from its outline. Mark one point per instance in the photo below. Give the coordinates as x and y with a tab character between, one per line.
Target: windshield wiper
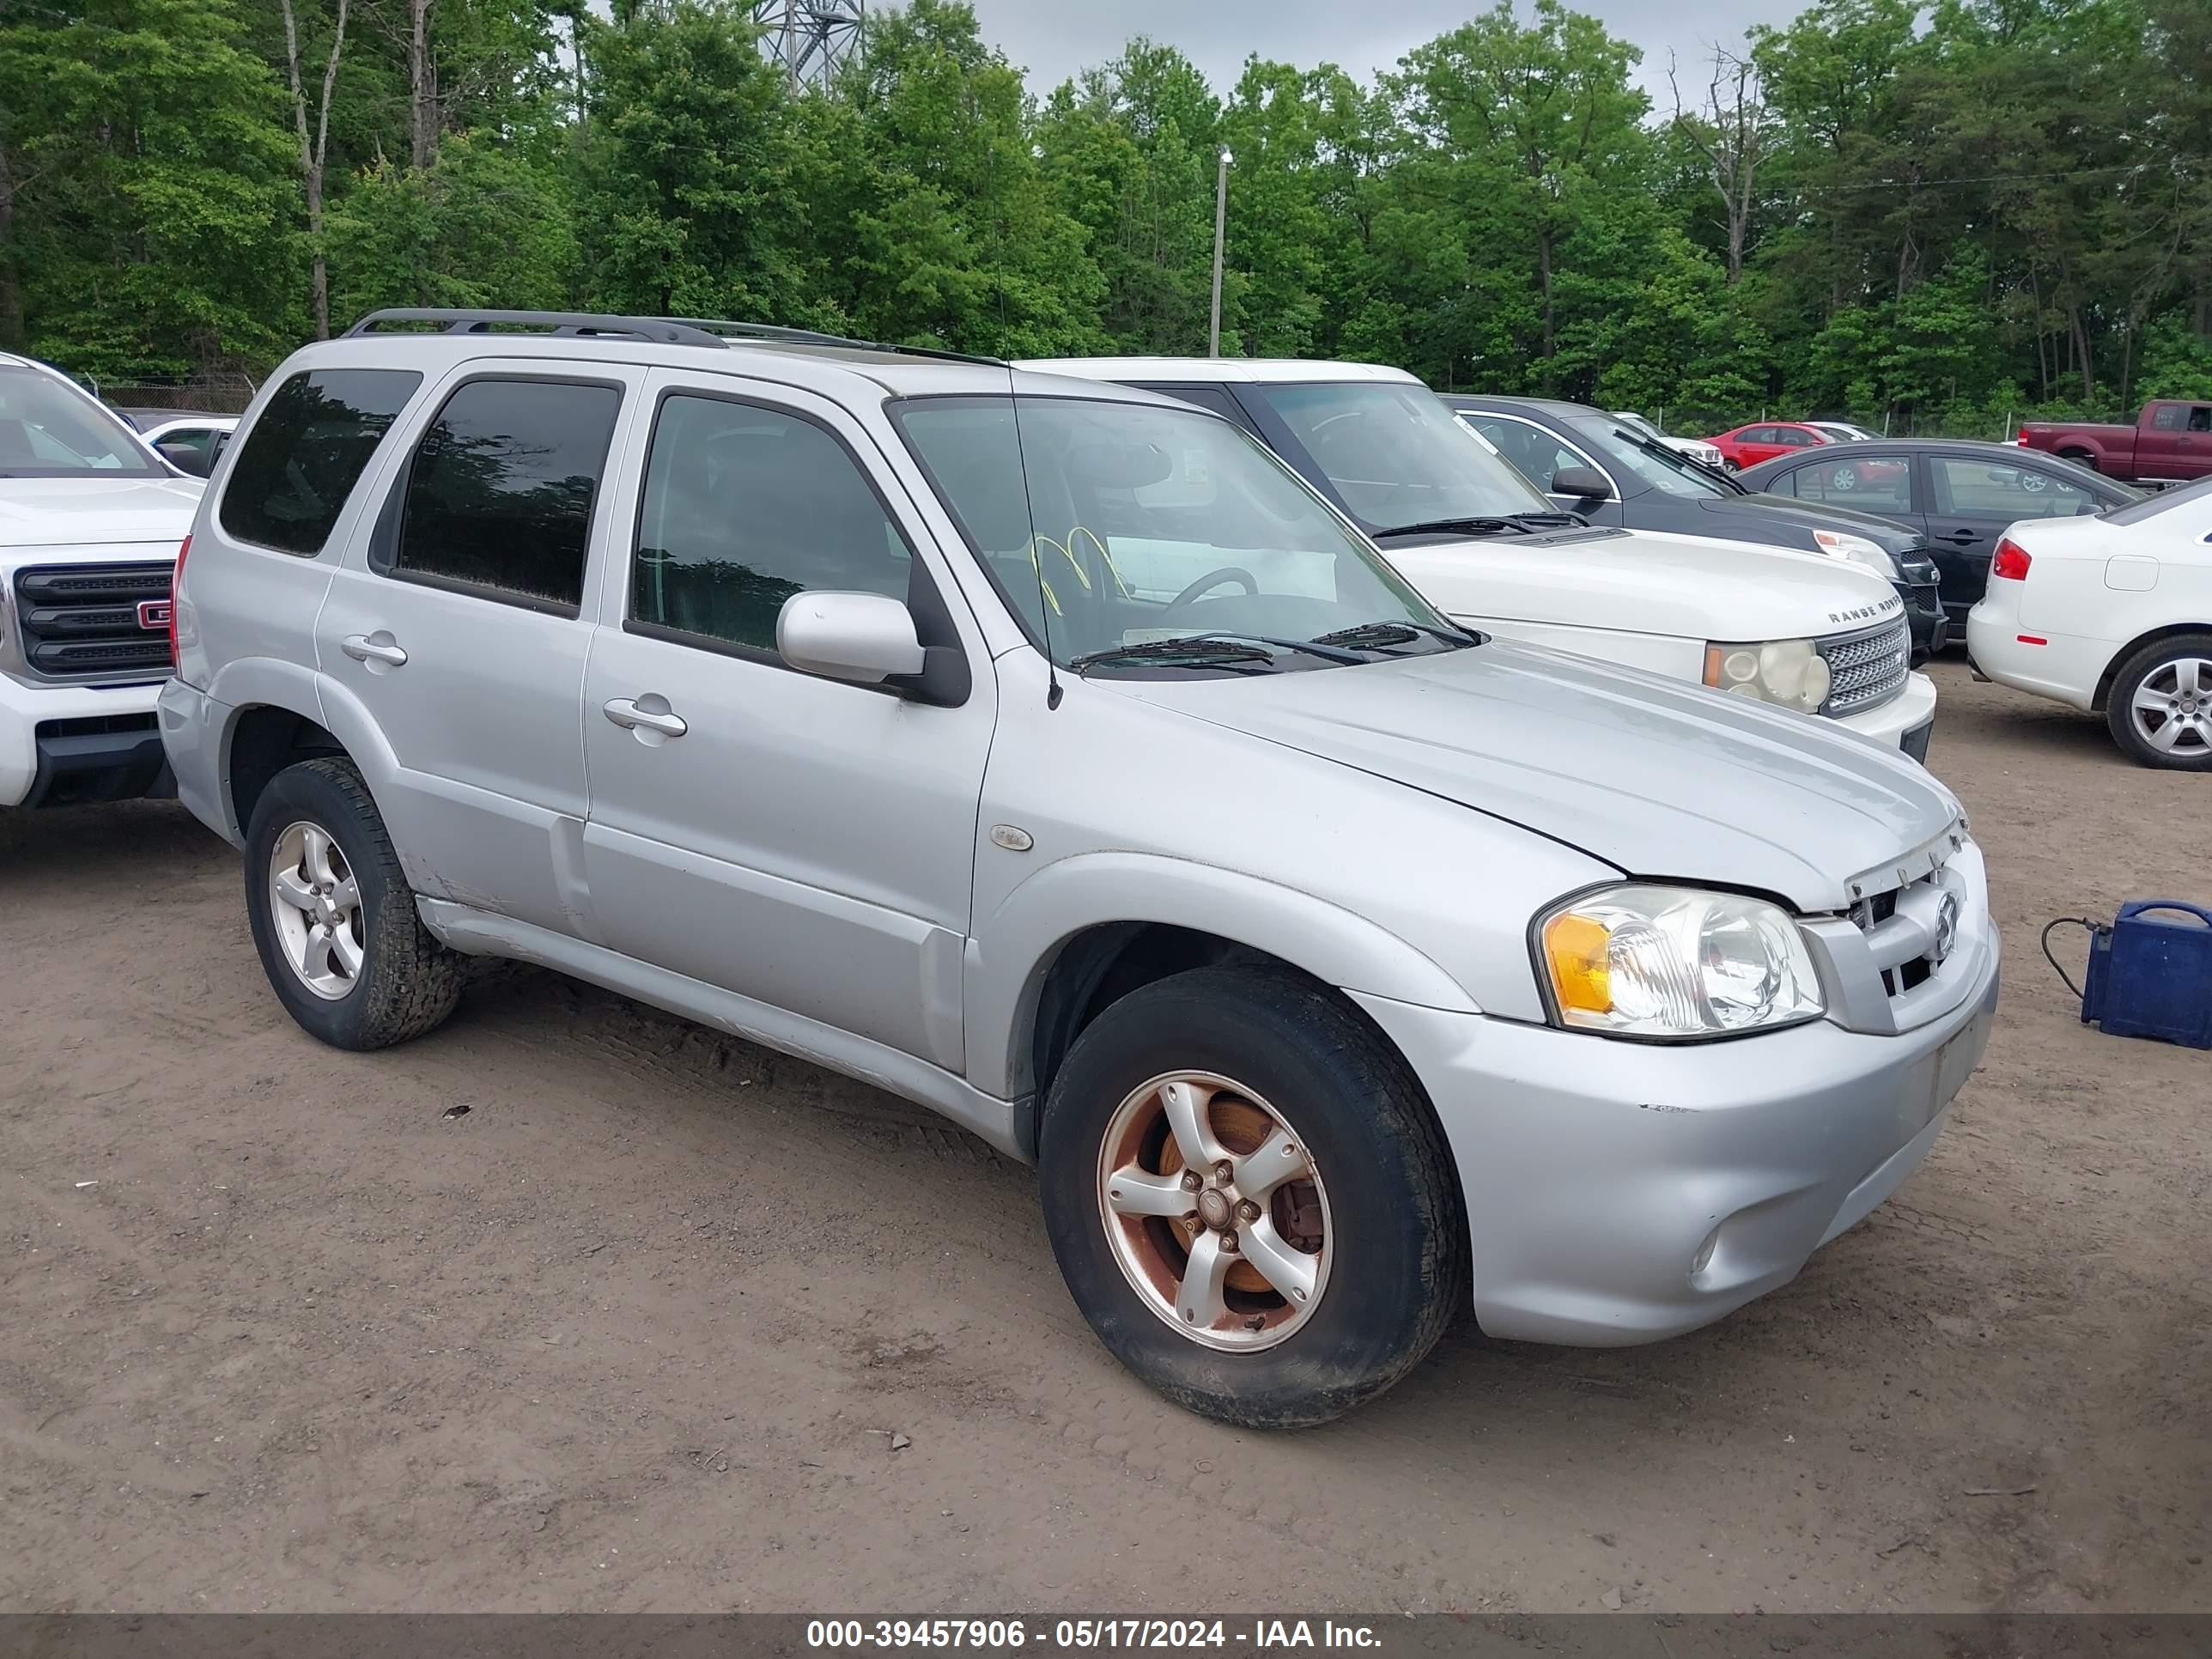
1375	634
1495	527
1196	651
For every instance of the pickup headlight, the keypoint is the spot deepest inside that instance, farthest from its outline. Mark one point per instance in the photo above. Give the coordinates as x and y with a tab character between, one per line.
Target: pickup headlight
1675	963
1790	673
1857	549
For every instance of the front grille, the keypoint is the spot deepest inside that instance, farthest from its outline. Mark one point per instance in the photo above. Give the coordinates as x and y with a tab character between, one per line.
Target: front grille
1866	669
1905	930
80	621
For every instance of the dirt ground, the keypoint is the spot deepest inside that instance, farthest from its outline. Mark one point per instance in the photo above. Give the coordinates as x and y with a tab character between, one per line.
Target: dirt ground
636	1331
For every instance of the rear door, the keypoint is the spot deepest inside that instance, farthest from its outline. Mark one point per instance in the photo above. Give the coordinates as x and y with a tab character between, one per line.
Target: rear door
803	842
460	630
1966	502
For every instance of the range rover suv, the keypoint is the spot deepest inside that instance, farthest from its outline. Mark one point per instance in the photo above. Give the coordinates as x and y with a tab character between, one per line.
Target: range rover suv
1051	753
90	521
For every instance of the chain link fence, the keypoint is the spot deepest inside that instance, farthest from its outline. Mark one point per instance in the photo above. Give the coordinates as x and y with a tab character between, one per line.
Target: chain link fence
217	393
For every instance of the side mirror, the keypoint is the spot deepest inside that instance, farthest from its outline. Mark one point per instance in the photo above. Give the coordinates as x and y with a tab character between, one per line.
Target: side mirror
1585	483
187	458
865	638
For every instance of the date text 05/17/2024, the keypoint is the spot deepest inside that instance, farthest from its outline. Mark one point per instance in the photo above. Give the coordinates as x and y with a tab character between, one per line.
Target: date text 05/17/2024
1285	1635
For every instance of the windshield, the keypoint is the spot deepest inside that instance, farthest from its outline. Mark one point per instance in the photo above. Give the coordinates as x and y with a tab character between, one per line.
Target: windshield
1654	463
1159	524
1396	456
2194	498
49	429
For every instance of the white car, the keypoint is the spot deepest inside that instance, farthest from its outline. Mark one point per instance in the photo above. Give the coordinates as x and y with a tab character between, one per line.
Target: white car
1697	449
1843	432
90	522
1820	635
2111	614
187	441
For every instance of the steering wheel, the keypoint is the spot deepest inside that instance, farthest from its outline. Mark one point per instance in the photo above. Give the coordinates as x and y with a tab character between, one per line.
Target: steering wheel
1213	579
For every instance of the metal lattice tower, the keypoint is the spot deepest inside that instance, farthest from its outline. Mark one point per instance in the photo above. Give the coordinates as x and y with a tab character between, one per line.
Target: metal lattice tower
811	39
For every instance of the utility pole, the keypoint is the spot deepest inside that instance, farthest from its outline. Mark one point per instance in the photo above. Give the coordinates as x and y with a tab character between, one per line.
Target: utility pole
1220	231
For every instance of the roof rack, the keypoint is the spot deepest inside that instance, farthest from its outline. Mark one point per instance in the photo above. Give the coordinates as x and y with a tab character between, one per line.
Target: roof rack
581	325
663	331
771	334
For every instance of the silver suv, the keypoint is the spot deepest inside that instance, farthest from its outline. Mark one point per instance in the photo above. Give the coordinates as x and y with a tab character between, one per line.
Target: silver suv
1051	754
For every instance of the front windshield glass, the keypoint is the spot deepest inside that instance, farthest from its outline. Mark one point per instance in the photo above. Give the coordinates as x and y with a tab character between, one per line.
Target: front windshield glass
1656	466
1143	525
49	430
1397	455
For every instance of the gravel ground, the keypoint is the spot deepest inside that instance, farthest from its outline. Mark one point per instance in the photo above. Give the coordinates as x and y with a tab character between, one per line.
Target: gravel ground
638	1330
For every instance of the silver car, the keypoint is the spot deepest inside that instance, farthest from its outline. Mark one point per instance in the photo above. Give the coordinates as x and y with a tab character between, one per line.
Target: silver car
1050	754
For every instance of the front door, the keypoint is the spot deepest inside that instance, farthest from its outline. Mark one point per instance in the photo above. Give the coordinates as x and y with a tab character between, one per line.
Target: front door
461	633
805	843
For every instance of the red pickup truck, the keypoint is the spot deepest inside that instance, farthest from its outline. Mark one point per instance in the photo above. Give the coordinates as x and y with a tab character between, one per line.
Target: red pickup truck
2170	443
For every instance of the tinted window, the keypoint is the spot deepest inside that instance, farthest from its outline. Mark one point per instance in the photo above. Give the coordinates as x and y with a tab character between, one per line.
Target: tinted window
2166	419
1879	484
2200	418
303	456
1978	488
1532	449
1795	436
500	490
1782	484
745	507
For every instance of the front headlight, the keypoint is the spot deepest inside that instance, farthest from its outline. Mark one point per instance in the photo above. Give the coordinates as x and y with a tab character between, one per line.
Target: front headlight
1857	549
1675	963
1790	673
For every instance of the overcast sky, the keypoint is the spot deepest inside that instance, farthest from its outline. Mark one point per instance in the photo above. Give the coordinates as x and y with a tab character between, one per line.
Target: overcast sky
1054	39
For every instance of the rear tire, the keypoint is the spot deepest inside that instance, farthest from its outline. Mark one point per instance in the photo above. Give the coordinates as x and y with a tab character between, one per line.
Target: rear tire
2160	709
1275	1066
333	917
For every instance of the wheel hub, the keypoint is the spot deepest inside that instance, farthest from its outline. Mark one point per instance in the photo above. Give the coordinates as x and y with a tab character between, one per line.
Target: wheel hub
1214	1209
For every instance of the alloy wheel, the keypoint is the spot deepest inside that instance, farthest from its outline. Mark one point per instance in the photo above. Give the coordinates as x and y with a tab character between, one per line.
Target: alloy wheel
2172	707
1214	1210
314	908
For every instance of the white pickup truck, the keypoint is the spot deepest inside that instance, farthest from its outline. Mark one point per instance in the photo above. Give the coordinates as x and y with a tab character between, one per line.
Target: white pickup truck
1823	635
90	522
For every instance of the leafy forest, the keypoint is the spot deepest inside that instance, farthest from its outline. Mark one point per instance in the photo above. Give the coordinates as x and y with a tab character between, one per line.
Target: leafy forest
1936	217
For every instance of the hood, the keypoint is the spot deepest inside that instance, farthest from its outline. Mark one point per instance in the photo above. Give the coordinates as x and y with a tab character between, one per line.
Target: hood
1804	517
1639	582
74	512
1659	779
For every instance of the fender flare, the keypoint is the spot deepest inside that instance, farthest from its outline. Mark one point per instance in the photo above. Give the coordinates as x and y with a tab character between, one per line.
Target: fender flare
1012	952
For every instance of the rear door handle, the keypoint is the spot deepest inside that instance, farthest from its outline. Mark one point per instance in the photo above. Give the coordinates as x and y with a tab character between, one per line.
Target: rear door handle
379	647
626	712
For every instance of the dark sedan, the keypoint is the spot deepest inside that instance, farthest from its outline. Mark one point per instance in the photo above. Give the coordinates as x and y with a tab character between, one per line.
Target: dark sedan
1596	464
1960	494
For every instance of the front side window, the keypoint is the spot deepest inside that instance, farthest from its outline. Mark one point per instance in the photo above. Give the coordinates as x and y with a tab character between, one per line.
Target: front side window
2200	418
305	453
1534	452
1977	489
744	507
49	429
501	490
1396	456
1878	485
1148	526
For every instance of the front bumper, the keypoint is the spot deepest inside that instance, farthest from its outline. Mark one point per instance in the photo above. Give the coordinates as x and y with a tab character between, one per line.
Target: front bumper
1907	712
65	745
1620	1193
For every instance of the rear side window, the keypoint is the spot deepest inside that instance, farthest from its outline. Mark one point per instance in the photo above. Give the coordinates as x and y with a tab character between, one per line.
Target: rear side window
306	451
501	490
2167	417
744	507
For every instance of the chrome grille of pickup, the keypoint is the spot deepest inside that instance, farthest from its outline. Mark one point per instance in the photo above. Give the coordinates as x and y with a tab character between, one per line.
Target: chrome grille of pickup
1865	668
82	622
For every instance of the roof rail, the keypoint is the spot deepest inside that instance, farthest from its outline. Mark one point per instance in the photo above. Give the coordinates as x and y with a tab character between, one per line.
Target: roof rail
771	334
664	330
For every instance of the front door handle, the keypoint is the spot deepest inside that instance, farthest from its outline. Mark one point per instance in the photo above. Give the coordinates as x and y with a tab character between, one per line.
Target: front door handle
377	647
632	715
1961	538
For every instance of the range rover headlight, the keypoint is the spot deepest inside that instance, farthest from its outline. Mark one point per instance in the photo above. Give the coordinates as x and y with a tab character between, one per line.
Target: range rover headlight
1675	963
1790	673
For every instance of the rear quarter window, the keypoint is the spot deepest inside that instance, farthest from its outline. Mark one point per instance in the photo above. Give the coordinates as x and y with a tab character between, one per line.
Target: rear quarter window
303	456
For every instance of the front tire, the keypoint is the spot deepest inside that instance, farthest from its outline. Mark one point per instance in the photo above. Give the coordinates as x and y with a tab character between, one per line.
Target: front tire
2161	706
333	917
1250	1198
